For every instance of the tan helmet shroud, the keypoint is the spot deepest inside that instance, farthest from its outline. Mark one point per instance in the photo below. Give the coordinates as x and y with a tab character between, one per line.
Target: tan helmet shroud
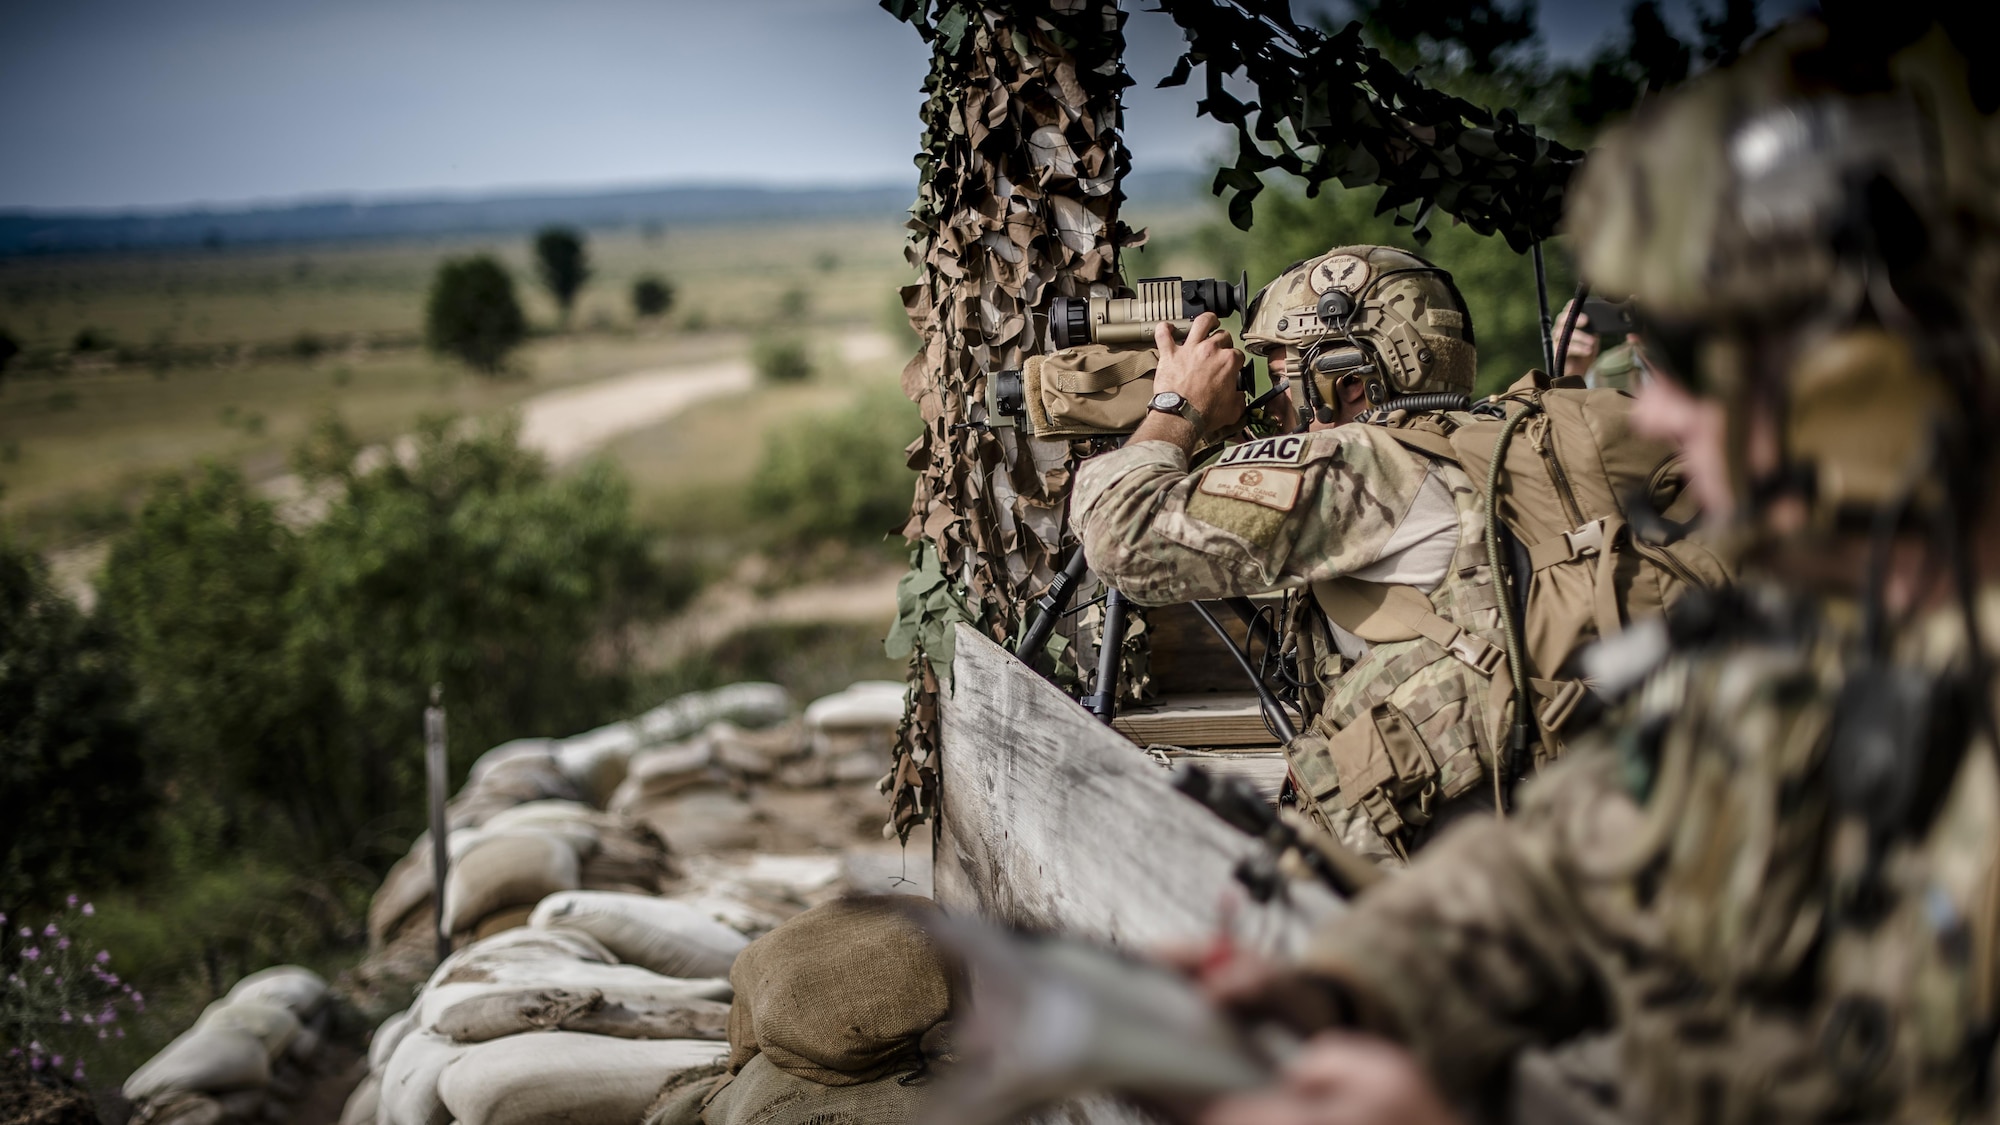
1713	208
1407	319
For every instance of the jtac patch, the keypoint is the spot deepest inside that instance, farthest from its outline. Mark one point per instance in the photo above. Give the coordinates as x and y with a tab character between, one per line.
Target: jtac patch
1287	450
1270	488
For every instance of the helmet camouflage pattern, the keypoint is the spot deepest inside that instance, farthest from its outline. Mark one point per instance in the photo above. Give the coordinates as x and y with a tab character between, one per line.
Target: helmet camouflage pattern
1811	233
1403	313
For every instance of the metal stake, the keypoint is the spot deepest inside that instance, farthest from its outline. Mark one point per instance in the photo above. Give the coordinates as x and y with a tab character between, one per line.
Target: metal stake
434	770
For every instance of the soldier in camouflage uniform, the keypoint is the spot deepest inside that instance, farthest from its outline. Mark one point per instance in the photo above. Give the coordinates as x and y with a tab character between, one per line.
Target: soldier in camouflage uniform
1780	881
1340	502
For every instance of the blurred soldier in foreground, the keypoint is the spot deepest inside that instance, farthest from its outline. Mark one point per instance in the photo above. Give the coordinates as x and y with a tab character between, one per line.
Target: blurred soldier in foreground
1780	882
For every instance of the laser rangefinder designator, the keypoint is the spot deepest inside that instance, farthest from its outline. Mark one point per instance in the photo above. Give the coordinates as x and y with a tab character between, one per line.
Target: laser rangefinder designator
1074	321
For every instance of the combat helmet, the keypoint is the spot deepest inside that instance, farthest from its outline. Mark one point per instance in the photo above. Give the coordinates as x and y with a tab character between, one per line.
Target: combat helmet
1811	234
1382	314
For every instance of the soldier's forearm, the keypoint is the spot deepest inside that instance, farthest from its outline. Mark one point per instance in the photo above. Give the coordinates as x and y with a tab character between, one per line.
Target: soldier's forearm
1170	428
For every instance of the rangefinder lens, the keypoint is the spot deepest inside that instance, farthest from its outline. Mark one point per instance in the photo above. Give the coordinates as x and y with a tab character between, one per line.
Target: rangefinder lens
1069	322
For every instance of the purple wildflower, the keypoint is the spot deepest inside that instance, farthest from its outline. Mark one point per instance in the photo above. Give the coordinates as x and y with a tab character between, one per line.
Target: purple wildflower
32	953
65	1017
118	1033
50	930
103	956
72	902
88	910
26	932
62	943
78	1072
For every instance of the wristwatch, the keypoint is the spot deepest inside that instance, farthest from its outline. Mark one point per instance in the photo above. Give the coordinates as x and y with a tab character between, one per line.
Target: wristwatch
1173	402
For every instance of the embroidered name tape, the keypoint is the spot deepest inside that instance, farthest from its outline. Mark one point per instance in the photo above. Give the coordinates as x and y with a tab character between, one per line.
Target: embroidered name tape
1272	488
1287	450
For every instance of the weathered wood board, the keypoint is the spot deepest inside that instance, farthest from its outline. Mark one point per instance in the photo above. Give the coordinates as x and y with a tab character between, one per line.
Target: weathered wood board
1050	819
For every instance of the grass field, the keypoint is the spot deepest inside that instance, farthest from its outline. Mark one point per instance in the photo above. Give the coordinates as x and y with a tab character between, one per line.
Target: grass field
81	432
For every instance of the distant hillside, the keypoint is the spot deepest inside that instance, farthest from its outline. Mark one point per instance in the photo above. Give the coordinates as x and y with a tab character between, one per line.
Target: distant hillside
68	232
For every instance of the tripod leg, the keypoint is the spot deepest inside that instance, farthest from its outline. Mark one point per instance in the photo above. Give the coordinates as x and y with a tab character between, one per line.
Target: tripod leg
1050	606
1104	701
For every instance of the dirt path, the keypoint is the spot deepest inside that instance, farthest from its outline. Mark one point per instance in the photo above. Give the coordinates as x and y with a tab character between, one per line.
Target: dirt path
728	608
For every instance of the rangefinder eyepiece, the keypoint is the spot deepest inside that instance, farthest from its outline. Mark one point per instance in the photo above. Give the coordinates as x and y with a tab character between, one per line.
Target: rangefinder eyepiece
1074	321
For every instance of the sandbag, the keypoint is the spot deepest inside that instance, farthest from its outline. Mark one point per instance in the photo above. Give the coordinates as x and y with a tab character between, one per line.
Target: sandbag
867	704
409	1085
632	855
519	780
527	946
503	1011
680	1100
668	937
273	1026
701	819
843	993
518	869
763	1094
596	762
660	773
499	922
746	704
404	890
627	985
204	1059
564	1076
383	1043
363	1103
542	749
301	991
180	1109
249	1105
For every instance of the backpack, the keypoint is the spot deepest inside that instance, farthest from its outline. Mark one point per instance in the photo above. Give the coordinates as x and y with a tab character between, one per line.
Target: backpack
1594	519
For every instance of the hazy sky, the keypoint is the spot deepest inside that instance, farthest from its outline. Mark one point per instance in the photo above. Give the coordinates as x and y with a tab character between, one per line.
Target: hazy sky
111	103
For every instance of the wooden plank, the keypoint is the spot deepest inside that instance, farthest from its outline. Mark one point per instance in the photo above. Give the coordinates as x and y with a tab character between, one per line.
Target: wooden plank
1052	820
1210	719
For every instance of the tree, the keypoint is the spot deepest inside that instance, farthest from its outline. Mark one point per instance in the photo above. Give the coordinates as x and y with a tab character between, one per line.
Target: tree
74	798
473	314
651	296
1477	35
564	264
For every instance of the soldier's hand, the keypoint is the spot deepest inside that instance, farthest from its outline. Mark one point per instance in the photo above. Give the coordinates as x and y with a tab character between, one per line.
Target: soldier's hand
1203	370
1341	1078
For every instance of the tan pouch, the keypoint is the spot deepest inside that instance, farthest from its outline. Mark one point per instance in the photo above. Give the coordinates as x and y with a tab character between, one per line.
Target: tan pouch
1088	390
1381	760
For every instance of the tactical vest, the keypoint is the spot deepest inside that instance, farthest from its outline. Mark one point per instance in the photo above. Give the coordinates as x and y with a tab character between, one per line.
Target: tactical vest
1419	718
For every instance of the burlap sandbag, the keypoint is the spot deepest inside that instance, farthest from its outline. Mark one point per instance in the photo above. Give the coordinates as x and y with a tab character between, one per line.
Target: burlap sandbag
567	1077
762	1094
668	937
205	1059
517	869
410	1083
843	993
681	1097
273	1026
382	1044
627	986
511	1011
301	991
500	921
363	1104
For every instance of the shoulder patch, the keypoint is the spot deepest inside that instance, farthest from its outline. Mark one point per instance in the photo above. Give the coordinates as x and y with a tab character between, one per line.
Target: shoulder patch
1270	488
1287	450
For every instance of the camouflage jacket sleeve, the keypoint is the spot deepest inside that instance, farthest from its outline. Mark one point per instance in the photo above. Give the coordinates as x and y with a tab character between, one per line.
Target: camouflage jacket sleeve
1267	514
1488	944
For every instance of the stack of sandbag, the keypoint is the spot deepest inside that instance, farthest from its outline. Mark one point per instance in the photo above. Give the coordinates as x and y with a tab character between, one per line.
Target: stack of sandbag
754	893
851	734
694	792
500	868
841	1015
548	1023
244	1059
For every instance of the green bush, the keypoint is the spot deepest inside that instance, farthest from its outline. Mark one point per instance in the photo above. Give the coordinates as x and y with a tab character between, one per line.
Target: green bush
473	315
839	475
73	783
282	673
781	359
564	264
651	296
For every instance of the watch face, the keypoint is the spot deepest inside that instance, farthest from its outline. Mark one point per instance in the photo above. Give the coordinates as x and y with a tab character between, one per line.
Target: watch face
1169	401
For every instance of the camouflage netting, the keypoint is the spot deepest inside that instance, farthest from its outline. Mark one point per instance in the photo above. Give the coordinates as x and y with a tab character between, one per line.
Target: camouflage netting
1018	203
